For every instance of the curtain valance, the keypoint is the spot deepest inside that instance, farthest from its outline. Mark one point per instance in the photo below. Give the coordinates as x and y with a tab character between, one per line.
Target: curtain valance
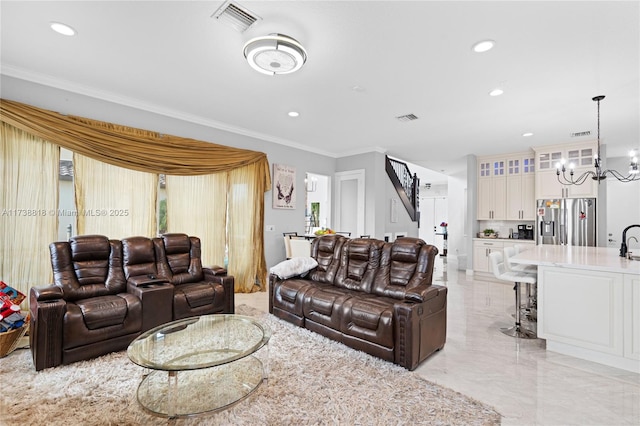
129	147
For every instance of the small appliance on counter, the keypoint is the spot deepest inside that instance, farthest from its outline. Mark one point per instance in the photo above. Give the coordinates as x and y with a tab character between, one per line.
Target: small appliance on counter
525	232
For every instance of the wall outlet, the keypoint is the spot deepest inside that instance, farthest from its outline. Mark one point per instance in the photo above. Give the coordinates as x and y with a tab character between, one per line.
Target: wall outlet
270	228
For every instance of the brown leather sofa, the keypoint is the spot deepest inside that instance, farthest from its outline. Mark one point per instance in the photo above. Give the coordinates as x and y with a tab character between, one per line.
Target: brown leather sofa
371	295
107	292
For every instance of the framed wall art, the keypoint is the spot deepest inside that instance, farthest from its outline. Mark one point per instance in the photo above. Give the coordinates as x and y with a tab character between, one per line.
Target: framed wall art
284	194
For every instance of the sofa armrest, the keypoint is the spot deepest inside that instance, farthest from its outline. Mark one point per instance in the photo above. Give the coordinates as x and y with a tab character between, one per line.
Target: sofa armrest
420	328
49	292
215	270
157	301
227	282
47	309
421	293
146	281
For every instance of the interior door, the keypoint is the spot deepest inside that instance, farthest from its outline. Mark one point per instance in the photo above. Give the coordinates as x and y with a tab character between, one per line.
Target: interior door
350	202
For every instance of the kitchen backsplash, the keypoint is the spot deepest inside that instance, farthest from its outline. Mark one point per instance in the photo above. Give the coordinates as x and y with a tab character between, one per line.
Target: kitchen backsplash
503	227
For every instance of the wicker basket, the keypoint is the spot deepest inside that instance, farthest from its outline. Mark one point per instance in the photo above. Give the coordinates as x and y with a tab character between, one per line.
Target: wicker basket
9	340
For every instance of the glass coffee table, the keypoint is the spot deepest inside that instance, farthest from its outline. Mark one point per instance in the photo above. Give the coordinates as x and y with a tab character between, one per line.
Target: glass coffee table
218	358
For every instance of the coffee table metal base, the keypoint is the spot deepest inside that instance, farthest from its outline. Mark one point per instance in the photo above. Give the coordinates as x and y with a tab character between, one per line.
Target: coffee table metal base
194	392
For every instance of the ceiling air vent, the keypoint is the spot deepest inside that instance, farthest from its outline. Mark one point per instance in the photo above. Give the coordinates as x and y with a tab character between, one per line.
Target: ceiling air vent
408	117
236	16
579	134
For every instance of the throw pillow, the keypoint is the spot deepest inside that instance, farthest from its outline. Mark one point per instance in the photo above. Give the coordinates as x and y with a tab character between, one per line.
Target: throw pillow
294	266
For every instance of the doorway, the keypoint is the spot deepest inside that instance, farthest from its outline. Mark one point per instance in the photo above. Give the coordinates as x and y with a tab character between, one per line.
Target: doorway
349	187
317	211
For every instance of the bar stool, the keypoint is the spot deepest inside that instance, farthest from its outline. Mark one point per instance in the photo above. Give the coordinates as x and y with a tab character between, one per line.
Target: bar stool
499	271
531	289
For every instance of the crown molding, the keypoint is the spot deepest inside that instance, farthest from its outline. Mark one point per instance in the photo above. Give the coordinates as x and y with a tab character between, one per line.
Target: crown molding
69	86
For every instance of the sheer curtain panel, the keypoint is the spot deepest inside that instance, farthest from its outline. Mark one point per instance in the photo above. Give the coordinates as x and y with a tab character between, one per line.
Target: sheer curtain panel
197	206
29	170
114	201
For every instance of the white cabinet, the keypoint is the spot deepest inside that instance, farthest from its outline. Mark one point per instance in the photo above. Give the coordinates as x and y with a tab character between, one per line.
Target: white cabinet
632	316
593	315
483	247
481	251
491	198
506	187
577	157
491	188
520	194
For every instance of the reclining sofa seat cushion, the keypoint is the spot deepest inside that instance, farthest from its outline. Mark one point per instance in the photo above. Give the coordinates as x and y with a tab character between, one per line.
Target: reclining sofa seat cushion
286	296
323	305
88	269
181	265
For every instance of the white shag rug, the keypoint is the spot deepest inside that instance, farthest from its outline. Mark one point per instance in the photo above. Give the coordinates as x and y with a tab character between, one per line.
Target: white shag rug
313	381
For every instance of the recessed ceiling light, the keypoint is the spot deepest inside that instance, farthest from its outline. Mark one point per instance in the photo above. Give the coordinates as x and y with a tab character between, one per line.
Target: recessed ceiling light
483	46
294	113
496	92
526	135
62	29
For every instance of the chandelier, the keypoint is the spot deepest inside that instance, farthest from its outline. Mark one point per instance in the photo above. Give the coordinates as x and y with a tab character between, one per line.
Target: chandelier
599	174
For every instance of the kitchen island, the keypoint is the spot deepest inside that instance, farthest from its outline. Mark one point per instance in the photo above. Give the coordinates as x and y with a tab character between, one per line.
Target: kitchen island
588	303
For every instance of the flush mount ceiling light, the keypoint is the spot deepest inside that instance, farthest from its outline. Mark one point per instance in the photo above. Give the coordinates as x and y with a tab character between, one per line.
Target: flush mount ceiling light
61	28
496	92
275	54
483	46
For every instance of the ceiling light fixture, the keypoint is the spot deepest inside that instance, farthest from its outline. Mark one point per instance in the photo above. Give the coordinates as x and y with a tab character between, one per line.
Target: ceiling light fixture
294	114
599	174
63	29
275	54
527	134
483	46
496	92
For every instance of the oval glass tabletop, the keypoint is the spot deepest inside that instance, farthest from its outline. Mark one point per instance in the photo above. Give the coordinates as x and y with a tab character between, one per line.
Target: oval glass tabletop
199	342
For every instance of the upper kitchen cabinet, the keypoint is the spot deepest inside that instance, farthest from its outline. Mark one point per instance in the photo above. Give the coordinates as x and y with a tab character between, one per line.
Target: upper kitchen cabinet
506	187
578	156
520	200
492	188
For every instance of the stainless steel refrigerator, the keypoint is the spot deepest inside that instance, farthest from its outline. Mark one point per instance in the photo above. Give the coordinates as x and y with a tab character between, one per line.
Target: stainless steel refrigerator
569	221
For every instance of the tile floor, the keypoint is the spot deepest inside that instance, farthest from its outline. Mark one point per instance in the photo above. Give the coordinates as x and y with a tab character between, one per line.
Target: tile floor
518	377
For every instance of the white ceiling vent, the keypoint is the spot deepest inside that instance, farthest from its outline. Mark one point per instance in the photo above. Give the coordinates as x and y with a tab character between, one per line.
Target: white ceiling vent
235	15
580	134
408	117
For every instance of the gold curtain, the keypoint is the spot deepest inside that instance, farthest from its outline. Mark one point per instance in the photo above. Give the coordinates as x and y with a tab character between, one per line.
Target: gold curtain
246	223
114	201
132	149
197	205
29	170
157	153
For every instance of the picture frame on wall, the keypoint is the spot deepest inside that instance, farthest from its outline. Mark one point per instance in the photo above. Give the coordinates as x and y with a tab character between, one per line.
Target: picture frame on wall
284	194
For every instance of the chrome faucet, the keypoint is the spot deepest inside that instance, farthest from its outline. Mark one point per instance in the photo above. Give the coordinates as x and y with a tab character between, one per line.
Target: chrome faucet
623	247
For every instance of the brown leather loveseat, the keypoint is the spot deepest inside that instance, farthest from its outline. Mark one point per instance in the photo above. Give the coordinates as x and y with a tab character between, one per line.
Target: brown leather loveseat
371	295
107	292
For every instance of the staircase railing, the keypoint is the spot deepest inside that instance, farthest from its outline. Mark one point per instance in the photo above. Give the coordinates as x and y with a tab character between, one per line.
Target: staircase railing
406	186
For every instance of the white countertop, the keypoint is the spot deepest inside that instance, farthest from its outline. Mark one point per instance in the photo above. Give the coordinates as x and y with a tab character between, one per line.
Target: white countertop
587	258
511	240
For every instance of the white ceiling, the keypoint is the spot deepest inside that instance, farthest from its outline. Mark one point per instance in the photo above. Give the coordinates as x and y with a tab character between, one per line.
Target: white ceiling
414	57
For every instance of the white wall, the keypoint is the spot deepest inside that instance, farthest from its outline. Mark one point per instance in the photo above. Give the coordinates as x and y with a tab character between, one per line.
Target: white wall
623	206
76	104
